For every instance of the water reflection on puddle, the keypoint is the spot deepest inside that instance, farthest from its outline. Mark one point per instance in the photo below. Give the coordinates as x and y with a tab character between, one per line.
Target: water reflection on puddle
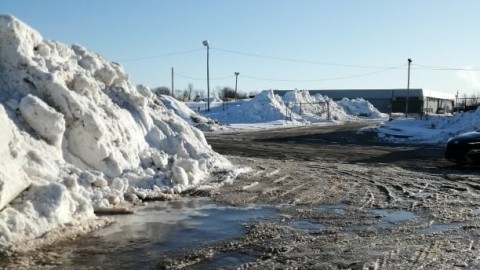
163	229
439	228
338	209
389	218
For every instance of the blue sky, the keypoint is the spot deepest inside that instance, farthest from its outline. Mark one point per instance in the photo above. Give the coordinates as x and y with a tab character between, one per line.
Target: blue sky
274	44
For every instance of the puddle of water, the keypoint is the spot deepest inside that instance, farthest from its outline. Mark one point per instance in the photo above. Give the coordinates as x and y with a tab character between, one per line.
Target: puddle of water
164	229
306	225
389	218
338	209
439	228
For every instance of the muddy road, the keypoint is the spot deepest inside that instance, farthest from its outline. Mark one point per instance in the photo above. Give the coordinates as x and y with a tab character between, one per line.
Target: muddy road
329	197
337	143
346	201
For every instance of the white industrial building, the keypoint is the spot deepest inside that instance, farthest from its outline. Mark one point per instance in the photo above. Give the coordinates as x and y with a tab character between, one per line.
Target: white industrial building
393	100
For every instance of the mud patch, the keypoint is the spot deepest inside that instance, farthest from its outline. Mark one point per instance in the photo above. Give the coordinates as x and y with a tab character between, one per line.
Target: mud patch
224	259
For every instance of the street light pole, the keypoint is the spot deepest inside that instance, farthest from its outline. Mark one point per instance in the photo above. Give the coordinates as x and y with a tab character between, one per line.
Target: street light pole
408	88
456	102
205	43
236	83
172	82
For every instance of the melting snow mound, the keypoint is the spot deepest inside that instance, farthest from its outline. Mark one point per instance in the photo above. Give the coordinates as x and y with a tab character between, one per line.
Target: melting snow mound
295	107
77	135
361	107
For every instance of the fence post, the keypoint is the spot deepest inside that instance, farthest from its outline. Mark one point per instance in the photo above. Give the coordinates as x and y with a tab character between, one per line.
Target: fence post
328	109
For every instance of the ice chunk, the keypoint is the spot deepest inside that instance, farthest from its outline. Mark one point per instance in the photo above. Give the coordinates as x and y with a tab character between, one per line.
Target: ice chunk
48	123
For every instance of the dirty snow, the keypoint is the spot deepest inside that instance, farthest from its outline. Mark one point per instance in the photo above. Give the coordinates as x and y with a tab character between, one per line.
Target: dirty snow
78	136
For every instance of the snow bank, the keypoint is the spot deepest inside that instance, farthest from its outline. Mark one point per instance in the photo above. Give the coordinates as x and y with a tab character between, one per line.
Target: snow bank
265	107
434	129
360	107
295	106
315	109
77	135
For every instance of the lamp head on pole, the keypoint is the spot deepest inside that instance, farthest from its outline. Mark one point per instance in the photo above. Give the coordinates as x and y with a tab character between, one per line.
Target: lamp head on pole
205	43
236	73
409	60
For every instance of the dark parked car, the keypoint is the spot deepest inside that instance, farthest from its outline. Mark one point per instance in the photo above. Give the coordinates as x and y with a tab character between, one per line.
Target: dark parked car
464	148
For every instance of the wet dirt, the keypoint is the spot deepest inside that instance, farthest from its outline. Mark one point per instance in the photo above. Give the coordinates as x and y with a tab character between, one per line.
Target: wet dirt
342	200
350	202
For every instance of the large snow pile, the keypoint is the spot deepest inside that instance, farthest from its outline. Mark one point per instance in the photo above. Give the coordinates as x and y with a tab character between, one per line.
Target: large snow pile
309	108
77	136
315	109
295	106
360	107
432	129
265	107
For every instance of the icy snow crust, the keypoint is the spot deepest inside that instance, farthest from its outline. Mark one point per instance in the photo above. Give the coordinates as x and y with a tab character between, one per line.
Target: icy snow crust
76	135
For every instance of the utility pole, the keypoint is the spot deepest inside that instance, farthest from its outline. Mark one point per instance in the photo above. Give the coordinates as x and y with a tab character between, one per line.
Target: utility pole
205	43
236	83
391	107
456	102
408	88
172	81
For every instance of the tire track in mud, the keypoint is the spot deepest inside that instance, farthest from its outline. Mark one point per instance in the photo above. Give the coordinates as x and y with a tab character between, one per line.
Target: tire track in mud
362	176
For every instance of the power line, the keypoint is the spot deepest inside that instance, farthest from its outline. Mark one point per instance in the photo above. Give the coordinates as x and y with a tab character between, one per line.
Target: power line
418	66
426	67
203	79
324	79
159	56
296	60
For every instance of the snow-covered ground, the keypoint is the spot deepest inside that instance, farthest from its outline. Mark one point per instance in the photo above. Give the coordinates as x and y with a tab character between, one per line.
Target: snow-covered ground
78	136
434	129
